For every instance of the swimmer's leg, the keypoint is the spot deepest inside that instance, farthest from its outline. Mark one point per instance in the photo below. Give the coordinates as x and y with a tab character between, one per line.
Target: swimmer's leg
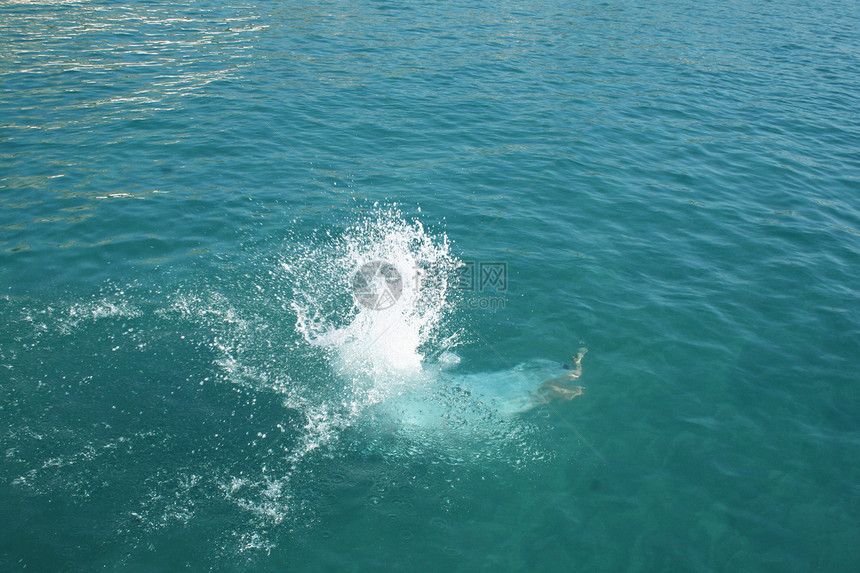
559	388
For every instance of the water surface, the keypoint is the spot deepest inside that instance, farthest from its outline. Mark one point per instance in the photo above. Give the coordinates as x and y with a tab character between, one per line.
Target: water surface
185	187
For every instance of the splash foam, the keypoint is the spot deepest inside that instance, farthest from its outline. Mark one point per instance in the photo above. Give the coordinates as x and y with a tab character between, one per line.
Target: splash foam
375	298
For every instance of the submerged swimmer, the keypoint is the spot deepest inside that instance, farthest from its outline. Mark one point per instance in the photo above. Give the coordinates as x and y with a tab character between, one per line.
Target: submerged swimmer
507	393
559	388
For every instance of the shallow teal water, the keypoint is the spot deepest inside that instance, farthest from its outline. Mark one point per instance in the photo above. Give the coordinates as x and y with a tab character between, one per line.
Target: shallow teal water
673	186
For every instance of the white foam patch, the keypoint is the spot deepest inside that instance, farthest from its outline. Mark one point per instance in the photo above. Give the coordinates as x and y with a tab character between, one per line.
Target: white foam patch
103	309
377	344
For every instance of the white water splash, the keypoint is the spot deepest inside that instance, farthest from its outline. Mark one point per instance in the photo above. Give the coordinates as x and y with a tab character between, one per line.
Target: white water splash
376	348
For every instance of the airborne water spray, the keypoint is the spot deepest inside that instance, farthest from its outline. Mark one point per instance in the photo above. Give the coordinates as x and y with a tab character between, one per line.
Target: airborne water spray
375	299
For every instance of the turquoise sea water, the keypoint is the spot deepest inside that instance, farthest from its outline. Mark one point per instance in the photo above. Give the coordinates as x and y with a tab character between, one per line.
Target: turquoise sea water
187	190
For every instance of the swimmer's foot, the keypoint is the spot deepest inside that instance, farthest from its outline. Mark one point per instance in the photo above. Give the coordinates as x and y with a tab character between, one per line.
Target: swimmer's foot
576	371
